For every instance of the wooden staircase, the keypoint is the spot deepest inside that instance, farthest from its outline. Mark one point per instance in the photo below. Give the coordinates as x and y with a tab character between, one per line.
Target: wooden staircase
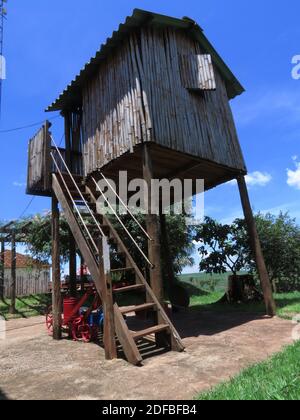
93	233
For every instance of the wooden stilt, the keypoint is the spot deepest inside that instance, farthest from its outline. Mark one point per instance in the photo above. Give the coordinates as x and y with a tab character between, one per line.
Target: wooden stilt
12	308
82	276
2	269
73	266
56	285
109	325
256	246
153	229
166	249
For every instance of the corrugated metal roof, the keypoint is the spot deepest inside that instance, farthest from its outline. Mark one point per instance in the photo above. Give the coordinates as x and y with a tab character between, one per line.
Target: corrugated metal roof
71	96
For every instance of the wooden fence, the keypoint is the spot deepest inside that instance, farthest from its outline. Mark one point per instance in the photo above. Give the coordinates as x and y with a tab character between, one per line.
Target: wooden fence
29	282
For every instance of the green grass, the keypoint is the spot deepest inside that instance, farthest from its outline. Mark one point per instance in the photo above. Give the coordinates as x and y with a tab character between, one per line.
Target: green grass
276	379
203	299
26	307
288	304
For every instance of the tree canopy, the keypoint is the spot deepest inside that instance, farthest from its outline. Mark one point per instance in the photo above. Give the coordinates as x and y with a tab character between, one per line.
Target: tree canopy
227	248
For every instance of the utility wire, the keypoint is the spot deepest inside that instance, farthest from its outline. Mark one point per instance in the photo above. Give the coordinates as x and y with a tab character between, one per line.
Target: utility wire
27	126
27	207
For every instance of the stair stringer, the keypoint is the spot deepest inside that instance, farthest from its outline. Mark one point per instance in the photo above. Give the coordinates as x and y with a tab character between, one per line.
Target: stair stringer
79	237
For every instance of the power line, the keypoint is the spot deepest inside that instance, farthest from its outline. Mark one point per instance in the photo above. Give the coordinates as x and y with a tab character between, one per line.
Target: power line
27	207
27	126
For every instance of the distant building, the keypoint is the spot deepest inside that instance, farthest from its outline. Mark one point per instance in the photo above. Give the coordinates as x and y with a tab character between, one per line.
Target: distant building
33	276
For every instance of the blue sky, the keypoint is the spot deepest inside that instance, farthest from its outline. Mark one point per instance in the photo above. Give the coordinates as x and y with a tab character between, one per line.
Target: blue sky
47	42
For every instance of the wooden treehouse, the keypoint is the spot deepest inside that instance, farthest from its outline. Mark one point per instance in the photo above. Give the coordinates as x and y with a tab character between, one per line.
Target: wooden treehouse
154	101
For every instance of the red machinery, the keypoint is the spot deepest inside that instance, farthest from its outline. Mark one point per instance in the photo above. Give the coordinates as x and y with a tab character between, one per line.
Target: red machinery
79	322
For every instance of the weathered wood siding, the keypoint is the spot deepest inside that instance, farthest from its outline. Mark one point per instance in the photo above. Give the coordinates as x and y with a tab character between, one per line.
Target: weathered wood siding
115	112
39	164
140	95
197	123
29	282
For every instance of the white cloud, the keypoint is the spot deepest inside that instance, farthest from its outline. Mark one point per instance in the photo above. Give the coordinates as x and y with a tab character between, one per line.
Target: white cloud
294	176
19	184
259	179
255	179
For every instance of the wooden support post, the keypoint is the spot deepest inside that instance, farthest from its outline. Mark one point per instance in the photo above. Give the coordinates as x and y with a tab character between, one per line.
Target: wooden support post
108	307
73	265
56	285
256	247
153	229
166	250
2	269
82	276
12	308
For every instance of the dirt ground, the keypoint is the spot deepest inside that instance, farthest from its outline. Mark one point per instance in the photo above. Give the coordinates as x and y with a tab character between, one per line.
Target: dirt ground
218	346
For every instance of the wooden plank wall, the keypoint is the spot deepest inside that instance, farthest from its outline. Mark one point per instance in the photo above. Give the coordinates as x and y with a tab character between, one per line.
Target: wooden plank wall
39	165
29	282
138	95
196	123
115	110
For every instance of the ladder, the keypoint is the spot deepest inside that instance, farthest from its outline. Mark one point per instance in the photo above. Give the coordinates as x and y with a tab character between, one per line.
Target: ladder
98	239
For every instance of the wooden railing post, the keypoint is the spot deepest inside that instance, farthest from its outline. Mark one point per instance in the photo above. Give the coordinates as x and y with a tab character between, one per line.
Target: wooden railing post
56	281
108	307
72	265
256	248
153	229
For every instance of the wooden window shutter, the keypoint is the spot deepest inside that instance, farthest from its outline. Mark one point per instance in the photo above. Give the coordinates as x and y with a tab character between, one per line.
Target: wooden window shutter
197	71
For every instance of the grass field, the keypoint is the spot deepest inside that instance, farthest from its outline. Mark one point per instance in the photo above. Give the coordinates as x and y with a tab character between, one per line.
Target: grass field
26	307
206	291
276	379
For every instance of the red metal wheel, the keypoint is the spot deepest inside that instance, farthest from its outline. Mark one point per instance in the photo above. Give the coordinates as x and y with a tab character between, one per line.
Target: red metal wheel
85	332
74	328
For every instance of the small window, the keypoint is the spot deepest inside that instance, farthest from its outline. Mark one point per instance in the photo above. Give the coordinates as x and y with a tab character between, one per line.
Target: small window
197	72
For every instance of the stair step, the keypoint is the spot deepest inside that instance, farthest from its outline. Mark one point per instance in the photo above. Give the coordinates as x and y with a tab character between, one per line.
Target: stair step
77	178
148	331
77	197
137	308
120	270
73	190
135	287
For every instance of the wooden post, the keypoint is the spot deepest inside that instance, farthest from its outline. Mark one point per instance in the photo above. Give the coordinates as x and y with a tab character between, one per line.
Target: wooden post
108	307
153	229
72	266
166	250
2	268
256	247
12	308
82	276
56	285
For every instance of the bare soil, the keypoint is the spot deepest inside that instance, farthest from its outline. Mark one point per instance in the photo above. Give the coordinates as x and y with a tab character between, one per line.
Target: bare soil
218	346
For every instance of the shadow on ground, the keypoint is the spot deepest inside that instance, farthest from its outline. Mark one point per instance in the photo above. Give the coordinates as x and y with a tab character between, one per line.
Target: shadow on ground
194	323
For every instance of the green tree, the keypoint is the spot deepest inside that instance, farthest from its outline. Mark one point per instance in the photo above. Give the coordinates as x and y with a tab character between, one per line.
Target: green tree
223	247
280	240
38	237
